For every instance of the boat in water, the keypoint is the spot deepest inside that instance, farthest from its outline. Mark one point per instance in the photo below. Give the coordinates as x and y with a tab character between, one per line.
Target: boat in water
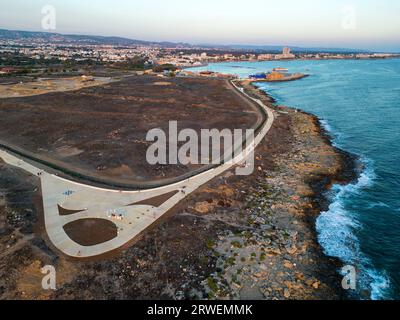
280	70
275	76
258	76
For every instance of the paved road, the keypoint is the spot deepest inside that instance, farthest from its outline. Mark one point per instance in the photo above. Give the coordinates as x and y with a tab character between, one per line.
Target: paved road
93	202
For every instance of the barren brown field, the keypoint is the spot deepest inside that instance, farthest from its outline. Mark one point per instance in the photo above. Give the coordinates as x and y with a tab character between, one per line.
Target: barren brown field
100	131
46	85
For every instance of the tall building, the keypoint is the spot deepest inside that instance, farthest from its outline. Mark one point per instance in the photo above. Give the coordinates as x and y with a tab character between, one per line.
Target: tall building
262	57
286	51
286	54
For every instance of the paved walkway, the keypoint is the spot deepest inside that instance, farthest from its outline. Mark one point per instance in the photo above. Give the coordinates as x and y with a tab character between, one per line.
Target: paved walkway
93	202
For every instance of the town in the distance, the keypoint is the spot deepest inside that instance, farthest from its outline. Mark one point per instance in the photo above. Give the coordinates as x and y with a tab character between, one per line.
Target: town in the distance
24	52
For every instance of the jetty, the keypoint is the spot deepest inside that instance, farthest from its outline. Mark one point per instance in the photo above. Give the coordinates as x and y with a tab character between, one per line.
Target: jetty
276	76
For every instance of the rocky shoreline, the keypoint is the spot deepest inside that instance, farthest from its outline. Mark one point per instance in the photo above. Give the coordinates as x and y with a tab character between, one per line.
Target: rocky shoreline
296	194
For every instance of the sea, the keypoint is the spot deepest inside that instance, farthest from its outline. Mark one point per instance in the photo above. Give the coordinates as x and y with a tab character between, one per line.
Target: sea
358	103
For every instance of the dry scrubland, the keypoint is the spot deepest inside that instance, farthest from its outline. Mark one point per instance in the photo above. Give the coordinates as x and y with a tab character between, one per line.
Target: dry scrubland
101	130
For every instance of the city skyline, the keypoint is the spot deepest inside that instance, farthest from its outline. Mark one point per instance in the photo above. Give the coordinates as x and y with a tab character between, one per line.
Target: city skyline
370	25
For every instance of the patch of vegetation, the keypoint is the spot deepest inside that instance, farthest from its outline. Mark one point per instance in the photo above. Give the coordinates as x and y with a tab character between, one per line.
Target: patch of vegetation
204	260
136	63
235	279
247	234
210	243
212	285
286	234
231	261
164	67
236	244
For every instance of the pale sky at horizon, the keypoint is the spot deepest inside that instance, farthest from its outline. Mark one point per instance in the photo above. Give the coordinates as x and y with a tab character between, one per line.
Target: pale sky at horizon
312	23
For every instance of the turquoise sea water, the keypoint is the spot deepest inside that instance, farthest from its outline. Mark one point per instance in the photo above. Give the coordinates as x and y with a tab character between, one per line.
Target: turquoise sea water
359	104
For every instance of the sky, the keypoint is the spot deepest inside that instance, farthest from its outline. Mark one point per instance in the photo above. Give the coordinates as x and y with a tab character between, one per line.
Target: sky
363	24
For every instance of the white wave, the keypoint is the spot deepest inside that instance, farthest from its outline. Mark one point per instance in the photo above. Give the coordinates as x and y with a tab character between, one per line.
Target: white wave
326	125
336	234
379	285
338	137
379	204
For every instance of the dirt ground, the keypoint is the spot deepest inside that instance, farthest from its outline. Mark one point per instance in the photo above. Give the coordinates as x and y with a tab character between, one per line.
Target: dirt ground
101	131
247	237
47	85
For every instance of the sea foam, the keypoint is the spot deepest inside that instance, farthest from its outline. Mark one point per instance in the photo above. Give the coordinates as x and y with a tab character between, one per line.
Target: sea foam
337	228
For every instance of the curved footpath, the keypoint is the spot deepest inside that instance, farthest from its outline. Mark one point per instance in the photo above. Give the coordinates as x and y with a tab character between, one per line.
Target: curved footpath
99	203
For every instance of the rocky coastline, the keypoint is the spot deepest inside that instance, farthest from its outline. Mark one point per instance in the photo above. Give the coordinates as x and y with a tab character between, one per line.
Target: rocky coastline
286	261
